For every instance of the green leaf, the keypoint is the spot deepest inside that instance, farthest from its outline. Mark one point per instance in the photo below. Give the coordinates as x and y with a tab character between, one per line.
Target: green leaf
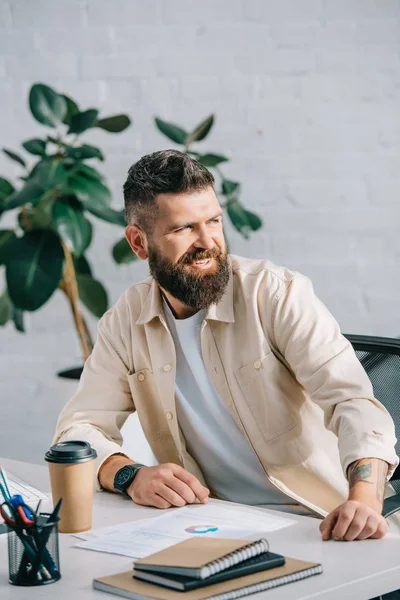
114	124
91	192
82	266
31	192
5	308
238	217
201	131
38	167
173	132
92	294
34	269
229	187
72	109
254	220
211	160
47	107
51	139
15	157
50	173
35	146
82	121
84	152
106	213
45	175
17	316
36	217
88	172
72	227
243	220
123	253
6	236
6	189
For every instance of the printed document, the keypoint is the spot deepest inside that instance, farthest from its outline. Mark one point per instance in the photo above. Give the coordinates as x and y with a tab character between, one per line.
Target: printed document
215	519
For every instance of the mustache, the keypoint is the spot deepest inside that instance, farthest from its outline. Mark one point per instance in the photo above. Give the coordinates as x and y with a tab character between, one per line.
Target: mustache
199	255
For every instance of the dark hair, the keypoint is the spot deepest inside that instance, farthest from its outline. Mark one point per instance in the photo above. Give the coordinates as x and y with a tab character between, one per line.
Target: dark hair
162	172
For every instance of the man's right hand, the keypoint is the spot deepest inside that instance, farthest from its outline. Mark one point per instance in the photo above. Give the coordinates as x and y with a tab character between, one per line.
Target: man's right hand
166	485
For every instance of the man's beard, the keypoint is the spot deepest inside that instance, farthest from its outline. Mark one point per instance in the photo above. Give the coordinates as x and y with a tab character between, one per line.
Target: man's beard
197	290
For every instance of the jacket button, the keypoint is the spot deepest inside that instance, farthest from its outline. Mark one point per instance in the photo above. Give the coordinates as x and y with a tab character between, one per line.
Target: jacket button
167	368
141	377
257	364
169	416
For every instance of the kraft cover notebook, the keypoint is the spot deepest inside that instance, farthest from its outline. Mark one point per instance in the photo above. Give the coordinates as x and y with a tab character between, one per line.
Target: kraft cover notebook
123	584
262	562
201	557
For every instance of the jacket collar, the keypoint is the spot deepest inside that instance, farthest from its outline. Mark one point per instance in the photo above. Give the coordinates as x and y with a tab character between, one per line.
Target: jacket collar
223	311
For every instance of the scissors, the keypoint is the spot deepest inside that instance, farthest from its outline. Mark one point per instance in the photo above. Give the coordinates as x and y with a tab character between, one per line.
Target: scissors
17	514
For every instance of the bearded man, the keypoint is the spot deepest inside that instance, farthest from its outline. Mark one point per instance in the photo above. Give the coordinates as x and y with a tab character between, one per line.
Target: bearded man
244	386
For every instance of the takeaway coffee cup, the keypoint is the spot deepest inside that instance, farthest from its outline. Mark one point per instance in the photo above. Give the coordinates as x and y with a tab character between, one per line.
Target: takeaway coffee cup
71	467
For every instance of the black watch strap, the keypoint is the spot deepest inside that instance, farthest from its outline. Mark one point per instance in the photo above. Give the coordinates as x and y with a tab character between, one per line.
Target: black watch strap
124	477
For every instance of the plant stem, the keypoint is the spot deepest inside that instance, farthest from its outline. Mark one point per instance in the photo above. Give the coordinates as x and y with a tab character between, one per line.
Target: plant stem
88	334
70	288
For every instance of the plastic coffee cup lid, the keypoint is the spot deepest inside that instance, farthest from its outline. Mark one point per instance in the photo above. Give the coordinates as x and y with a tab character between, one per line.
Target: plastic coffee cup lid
73	451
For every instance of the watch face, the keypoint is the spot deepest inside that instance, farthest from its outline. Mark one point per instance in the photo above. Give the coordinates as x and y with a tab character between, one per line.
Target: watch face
124	477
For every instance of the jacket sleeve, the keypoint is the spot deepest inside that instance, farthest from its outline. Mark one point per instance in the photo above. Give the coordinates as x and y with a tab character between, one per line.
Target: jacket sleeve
103	400
325	364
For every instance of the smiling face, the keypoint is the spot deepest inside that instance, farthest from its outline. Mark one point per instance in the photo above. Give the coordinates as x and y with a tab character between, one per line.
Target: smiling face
186	248
187	226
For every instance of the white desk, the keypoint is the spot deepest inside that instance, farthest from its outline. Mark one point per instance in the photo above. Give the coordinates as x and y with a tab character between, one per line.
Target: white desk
356	570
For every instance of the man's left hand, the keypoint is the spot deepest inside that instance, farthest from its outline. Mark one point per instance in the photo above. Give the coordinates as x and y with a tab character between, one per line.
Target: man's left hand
353	520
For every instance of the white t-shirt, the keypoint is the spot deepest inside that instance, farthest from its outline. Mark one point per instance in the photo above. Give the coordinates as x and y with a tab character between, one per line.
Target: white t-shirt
228	462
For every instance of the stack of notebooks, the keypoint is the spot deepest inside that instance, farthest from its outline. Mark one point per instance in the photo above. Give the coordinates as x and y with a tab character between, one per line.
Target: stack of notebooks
207	568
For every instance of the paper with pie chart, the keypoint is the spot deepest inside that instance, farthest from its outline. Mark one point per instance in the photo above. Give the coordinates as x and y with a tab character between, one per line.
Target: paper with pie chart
216	519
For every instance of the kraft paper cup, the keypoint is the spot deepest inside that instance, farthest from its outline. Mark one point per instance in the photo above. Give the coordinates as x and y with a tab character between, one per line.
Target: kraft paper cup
71	467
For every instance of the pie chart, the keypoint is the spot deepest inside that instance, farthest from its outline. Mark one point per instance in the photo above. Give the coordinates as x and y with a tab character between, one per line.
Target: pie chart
201	528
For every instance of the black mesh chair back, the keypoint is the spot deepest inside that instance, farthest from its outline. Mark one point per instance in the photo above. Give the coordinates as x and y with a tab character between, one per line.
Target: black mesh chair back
380	358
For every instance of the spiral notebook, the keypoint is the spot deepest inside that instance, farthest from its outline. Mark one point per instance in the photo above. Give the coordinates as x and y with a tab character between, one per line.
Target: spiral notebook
262	562
123	584
201	557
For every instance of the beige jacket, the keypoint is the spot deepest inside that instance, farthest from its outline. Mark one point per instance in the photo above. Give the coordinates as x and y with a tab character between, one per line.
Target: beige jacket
280	364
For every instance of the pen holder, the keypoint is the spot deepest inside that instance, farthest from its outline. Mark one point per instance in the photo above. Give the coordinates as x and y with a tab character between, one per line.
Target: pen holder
33	556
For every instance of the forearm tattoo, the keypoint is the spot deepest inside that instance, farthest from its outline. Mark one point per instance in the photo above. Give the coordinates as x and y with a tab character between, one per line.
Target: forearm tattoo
359	471
371	471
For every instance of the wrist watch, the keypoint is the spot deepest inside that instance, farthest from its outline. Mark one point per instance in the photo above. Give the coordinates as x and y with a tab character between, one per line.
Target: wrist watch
124	477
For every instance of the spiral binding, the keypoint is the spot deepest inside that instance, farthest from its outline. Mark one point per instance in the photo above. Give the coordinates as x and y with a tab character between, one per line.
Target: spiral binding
267	585
234	558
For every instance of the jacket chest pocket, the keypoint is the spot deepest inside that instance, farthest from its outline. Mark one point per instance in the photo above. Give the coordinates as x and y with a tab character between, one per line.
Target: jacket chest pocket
148	404
265	386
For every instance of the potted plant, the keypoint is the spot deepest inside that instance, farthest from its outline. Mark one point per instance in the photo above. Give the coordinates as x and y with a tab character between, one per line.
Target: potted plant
59	195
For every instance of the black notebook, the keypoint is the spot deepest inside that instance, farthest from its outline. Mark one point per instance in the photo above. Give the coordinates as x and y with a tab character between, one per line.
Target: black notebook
262	562
200	558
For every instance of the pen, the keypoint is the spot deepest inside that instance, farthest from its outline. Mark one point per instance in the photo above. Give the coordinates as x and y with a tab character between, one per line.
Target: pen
4	493
43	553
5	481
54	515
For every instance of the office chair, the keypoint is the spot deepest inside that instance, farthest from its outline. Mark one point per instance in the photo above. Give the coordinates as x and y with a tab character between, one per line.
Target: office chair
380	358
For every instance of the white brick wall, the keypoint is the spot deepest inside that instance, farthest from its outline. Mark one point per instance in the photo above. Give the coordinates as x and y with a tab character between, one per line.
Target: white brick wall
306	95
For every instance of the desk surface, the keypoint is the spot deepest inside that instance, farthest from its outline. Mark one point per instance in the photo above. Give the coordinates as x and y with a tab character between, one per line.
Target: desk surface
356	570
